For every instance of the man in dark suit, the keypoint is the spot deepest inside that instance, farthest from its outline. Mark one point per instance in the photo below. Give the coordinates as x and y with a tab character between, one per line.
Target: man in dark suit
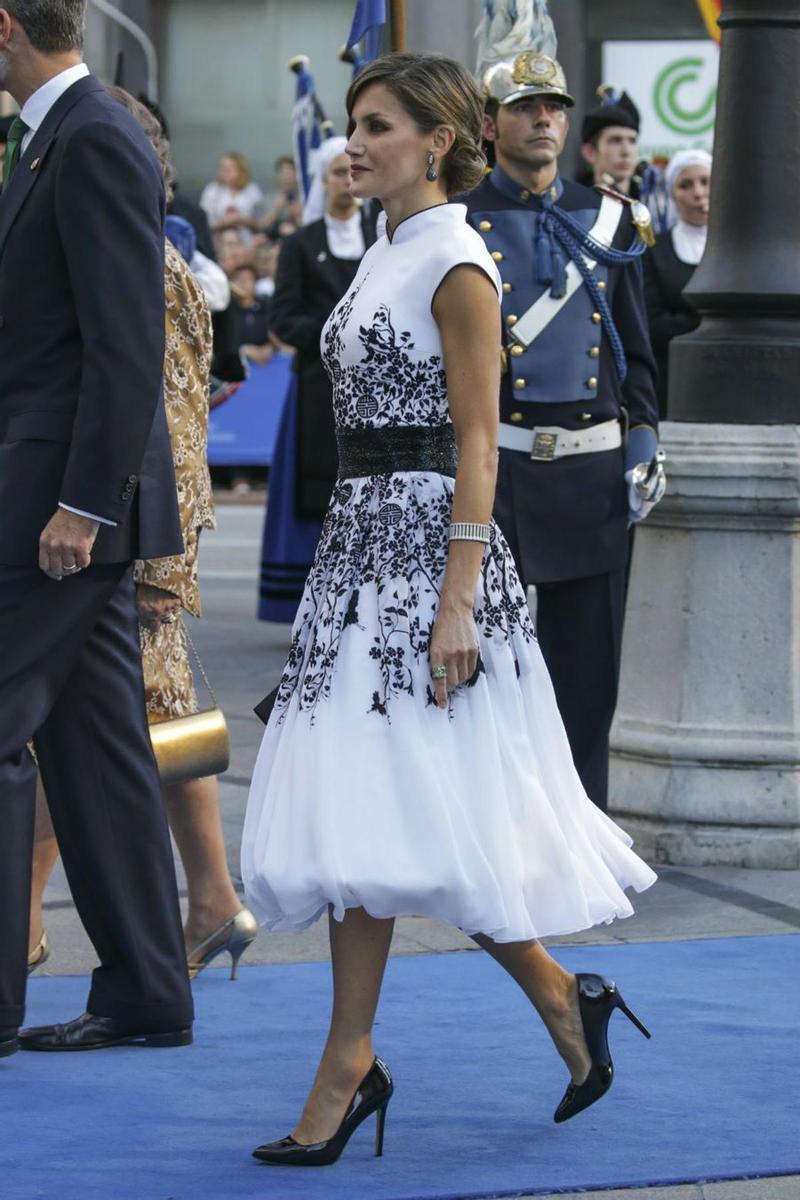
577	404
86	487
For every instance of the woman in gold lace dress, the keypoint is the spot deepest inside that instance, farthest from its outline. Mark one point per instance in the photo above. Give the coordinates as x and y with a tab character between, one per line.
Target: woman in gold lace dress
166	587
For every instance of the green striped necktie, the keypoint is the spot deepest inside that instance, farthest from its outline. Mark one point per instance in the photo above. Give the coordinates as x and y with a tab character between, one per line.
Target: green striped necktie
13	146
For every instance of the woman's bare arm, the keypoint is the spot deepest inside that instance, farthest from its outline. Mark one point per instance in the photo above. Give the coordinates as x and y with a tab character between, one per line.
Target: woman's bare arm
467	313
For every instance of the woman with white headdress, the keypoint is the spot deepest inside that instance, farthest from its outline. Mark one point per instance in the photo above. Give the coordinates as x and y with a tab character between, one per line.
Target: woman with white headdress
671	263
317	264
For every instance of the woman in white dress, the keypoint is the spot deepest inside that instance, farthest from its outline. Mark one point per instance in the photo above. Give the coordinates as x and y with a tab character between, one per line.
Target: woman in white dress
415	760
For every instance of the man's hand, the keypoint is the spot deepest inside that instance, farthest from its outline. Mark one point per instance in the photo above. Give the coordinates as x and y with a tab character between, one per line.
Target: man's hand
65	546
155	606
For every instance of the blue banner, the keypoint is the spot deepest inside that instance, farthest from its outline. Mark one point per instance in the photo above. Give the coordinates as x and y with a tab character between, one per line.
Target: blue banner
305	128
243	431
368	21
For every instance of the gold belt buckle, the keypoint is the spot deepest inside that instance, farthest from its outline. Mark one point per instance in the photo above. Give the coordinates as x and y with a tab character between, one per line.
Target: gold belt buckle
544	447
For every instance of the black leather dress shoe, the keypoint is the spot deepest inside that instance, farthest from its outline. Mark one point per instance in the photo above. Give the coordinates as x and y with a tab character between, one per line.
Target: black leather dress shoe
9	1043
97	1033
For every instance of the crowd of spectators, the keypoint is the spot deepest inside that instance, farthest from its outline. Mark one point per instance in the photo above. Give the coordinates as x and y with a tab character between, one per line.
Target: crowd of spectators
246	228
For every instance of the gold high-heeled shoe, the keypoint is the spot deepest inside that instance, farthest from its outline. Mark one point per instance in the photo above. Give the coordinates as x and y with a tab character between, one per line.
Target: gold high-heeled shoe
234	936
40	953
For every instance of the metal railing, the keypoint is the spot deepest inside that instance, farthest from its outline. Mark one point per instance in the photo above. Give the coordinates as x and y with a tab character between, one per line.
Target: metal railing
138	34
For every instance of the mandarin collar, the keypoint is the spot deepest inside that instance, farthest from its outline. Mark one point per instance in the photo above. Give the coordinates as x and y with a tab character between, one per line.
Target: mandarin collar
420	222
512	190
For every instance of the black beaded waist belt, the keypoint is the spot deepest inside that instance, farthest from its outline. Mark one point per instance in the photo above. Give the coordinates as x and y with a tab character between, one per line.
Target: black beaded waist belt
397	448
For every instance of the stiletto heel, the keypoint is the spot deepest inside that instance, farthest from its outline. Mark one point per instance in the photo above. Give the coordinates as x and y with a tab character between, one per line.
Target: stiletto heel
597	999
380	1125
632	1017
234	937
236	953
40	953
372	1096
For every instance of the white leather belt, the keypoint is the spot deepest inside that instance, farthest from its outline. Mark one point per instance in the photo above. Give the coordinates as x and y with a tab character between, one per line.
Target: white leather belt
545	442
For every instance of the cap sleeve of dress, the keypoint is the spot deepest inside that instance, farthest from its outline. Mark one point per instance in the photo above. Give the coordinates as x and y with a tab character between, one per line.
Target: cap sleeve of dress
465	246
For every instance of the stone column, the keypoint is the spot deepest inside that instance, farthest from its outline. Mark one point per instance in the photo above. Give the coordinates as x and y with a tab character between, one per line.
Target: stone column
706	750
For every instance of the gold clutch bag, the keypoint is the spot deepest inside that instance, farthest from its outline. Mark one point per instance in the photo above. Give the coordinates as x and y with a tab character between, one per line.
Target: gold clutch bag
194	746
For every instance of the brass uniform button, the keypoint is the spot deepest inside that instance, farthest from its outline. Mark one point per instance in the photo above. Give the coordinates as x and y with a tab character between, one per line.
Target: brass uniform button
517	350
594	352
601	283
596	318
520	383
511	319
592	382
586	416
506	288
524	195
516	416
485	226
498	255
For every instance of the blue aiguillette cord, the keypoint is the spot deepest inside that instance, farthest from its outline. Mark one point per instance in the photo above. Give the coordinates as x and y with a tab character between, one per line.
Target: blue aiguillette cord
558	232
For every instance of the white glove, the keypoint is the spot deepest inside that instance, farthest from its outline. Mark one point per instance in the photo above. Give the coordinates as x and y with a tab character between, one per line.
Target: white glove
638	507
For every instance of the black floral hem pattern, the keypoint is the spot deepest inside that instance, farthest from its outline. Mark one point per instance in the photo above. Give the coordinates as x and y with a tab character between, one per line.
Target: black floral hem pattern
389	532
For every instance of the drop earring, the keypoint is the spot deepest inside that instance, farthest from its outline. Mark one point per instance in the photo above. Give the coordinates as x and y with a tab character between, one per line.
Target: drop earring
431	174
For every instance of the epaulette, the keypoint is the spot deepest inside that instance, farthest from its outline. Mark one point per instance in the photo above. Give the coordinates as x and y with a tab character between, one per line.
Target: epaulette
640	213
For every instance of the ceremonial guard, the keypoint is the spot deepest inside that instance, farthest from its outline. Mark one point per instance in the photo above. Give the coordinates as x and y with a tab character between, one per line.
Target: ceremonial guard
610	149
578	433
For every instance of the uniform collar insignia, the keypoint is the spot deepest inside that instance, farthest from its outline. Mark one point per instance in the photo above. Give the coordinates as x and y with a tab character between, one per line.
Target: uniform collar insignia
514	191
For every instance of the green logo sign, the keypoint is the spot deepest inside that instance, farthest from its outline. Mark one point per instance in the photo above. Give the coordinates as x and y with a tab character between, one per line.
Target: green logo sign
666	98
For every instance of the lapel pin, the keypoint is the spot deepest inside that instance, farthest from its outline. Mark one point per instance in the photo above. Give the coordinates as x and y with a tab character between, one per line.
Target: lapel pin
321	256
35	163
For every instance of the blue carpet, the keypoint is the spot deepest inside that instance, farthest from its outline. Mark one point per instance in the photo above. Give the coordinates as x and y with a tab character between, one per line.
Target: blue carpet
476	1080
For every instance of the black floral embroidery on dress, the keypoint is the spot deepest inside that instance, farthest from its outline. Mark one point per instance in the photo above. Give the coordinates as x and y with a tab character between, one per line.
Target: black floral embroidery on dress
405	561
388	382
384	537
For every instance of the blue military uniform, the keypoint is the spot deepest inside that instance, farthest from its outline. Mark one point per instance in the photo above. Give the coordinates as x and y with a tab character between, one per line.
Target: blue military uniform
577	409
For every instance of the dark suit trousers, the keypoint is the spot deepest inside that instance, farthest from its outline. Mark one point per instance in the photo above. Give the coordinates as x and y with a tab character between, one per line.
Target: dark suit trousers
579	628
71	678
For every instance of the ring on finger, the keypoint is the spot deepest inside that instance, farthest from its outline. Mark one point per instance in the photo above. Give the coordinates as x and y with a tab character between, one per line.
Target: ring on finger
71	570
439	672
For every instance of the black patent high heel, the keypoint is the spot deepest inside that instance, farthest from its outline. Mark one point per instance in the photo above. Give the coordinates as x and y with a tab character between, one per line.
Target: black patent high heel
597	998
373	1095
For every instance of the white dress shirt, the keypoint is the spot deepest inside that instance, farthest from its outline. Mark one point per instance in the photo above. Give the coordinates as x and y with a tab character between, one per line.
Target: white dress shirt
37	106
33	113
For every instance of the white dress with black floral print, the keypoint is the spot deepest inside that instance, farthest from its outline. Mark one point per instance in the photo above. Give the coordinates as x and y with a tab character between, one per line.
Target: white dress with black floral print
365	793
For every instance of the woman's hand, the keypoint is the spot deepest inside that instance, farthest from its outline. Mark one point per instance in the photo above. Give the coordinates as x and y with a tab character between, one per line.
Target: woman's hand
155	606
454	645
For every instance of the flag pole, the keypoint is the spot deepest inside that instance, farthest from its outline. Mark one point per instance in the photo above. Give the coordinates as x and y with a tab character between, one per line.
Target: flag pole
397	21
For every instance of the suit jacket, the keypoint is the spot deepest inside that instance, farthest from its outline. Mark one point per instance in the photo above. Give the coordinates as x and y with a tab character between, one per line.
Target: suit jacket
309	284
568	519
82	335
665	277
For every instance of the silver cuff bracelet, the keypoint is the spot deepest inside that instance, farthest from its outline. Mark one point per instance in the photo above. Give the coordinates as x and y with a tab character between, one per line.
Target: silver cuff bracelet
469	531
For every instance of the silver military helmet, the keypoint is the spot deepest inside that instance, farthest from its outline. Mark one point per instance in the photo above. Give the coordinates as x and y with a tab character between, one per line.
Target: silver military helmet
528	74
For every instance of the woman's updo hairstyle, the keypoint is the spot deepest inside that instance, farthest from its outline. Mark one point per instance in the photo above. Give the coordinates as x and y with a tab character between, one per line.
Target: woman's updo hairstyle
434	91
